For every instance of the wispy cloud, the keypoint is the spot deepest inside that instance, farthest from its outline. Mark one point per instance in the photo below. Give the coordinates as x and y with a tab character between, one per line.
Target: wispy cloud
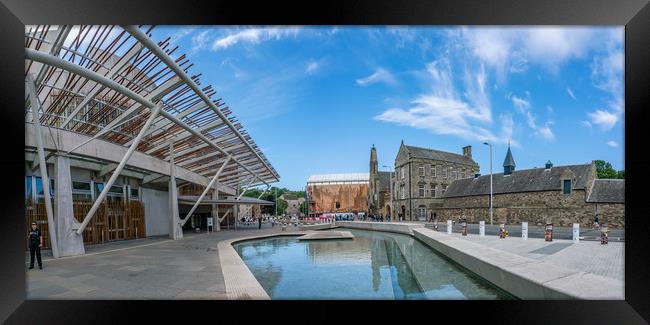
612	143
570	92
253	36
442	110
524	107
200	41
606	120
312	67
381	75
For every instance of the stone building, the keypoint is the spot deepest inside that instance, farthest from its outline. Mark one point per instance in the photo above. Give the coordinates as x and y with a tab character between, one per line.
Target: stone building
563	195
378	188
293	204
422	177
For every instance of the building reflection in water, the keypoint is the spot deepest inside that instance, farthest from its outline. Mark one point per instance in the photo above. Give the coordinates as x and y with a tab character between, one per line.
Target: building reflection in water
373	265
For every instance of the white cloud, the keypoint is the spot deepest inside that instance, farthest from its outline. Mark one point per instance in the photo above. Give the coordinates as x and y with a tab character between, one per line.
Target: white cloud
606	120
200	41
442	110
611	143
402	35
253	36
585	124
312	66
524	107
570	92
380	75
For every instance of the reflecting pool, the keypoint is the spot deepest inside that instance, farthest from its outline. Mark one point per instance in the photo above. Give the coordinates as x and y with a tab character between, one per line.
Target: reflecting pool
373	265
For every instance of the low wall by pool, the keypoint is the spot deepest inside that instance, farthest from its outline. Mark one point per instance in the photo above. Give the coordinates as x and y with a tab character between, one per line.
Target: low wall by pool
522	277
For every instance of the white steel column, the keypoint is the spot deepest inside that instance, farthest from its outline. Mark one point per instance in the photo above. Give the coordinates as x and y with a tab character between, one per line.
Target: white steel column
118	170
36	106
207	188
215	207
175	232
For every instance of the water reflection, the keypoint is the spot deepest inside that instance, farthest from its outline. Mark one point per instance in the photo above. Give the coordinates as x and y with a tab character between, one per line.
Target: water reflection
374	265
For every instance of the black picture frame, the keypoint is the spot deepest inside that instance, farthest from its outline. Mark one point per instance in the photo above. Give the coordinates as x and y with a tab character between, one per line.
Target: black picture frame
634	14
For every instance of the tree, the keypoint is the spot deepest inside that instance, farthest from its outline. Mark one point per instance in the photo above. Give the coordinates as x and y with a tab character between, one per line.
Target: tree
605	170
282	206
303	207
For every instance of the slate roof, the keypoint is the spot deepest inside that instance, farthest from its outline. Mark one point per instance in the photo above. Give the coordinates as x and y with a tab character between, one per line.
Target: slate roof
384	181
528	180
417	152
608	191
509	161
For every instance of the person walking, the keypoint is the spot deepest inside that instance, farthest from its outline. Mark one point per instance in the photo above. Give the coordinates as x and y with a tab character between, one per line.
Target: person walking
35	244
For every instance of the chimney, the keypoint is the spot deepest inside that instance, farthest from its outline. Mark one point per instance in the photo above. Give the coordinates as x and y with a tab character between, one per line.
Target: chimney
467	151
549	164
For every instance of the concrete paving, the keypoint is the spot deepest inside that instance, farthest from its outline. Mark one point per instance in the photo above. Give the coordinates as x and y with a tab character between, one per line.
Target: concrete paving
156	268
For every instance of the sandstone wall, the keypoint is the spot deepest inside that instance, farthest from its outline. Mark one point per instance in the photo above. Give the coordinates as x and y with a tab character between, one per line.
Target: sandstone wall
535	208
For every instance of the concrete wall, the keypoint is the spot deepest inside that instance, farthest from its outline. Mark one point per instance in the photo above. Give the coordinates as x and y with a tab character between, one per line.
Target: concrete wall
156	211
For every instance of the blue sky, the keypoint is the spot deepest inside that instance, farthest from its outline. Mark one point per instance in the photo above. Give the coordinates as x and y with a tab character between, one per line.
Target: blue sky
317	98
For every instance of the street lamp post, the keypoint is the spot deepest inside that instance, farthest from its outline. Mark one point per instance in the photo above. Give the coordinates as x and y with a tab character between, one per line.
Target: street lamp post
491	194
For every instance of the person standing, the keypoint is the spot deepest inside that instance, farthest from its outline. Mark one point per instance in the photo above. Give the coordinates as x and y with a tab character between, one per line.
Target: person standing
35	244
259	222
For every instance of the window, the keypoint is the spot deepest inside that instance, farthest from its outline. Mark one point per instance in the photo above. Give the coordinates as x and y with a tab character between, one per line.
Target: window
134	193
444	172
421	171
421	190
402	172
402	192
444	189
434	189
39	187
81	191
566	186
462	174
433	171
422	212
28	188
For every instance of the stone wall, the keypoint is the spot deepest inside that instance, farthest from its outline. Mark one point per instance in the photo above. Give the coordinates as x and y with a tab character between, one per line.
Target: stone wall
533	207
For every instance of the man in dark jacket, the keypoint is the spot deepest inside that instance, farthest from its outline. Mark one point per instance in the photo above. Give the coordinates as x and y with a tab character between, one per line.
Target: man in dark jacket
259	222
35	244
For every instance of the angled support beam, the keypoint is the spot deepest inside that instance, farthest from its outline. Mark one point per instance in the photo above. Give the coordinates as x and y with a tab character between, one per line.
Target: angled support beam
83	72
245	189
207	188
114	70
267	188
37	162
118	169
36	107
175	232
153	47
225	215
107	169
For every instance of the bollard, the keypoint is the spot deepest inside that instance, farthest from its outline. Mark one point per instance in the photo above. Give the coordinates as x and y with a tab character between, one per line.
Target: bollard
448	227
524	230
604	238
576	232
481	228
463	227
502	230
548	232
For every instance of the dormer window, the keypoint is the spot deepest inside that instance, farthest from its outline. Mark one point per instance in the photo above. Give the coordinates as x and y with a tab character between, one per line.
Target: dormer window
566	186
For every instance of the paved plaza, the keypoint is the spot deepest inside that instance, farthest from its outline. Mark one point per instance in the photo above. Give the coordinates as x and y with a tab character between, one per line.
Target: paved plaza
160	268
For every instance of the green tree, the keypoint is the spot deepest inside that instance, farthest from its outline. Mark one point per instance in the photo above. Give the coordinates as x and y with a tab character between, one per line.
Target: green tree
282	206
303	207
605	170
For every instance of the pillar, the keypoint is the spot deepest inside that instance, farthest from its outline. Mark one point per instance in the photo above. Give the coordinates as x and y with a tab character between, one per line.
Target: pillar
175	230
215	209
70	243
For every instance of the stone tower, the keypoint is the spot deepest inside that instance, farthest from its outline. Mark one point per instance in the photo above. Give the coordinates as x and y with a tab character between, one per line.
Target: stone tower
508	163
373	186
